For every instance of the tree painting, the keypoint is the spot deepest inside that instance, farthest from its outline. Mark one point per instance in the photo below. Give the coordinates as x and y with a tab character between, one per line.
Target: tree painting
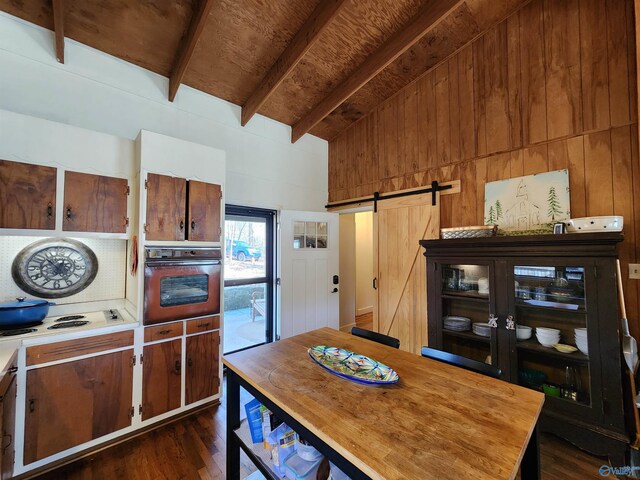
491	219
498	210
554	204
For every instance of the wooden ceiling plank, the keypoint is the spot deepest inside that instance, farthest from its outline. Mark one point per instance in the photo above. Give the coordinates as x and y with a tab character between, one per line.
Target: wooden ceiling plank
303	40
58	28
428	18
196	26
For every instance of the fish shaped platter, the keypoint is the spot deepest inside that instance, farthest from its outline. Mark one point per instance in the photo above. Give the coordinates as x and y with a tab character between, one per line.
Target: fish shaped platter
352	366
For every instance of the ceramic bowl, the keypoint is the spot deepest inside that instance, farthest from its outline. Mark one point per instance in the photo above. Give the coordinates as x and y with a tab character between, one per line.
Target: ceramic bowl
545	330
523	332
548	342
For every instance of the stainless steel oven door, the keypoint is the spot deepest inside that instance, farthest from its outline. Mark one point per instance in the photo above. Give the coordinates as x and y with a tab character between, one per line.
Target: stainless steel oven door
177	290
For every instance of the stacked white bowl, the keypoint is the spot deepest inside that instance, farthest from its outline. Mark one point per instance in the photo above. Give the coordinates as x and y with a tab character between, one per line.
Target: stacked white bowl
581	340
548	337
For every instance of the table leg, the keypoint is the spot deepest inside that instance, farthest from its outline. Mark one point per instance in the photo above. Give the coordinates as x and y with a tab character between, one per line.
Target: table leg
233	422
530	465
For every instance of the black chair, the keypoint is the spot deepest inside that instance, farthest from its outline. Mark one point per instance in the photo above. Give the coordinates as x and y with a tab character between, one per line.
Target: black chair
462	362
376	337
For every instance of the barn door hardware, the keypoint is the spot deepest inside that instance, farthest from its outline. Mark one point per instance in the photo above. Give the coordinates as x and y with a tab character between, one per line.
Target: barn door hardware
433	190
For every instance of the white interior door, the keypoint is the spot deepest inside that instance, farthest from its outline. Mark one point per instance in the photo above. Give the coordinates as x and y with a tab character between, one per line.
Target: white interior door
309	259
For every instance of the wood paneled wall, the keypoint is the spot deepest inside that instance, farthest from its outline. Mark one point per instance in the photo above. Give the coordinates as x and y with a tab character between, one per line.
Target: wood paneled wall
553	86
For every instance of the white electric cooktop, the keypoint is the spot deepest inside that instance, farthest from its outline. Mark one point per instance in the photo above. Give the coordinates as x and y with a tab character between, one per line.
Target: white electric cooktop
70	323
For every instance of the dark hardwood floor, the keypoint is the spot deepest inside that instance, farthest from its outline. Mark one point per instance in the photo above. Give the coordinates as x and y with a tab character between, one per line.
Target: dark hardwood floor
194	448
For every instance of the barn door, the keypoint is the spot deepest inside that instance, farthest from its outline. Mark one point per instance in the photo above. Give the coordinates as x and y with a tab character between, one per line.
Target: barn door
401	309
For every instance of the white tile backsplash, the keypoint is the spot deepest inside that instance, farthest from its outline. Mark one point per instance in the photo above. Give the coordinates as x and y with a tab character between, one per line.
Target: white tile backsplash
109	283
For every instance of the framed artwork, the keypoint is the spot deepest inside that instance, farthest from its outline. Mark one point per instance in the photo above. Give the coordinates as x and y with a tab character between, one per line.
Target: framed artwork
528	205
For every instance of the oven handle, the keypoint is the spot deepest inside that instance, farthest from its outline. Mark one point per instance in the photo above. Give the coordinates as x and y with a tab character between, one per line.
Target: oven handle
180	263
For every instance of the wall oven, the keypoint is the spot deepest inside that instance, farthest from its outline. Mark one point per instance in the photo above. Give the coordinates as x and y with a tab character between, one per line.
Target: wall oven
181	283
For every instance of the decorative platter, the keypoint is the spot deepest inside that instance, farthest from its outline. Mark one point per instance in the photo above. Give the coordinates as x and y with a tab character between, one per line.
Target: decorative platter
352	366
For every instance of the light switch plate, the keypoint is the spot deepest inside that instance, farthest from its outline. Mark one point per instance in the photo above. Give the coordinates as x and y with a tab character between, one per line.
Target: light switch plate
634	271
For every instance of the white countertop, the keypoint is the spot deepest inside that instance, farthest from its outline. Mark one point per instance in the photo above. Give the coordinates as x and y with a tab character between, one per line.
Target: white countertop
99	322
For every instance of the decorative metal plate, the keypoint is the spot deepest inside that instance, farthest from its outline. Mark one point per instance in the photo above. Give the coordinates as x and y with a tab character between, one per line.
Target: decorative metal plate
352	366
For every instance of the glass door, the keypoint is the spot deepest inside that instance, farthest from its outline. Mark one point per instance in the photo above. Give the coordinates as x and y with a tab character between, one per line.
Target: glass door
248	277
552	304
466	304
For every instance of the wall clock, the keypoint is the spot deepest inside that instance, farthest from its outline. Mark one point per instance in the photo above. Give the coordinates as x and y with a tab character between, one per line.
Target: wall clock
54	268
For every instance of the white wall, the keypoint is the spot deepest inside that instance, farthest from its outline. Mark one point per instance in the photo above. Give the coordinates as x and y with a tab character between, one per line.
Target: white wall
365	294
99	92
347	271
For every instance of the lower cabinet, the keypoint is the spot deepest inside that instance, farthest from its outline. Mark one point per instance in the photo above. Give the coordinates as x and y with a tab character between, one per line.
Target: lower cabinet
202	379
8	421
161	377
74	402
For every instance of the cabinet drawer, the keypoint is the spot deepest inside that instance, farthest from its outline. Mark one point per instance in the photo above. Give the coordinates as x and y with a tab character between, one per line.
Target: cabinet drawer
203	324
160	332
81	346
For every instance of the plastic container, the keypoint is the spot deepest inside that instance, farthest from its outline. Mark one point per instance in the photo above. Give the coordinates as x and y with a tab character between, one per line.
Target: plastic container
254	418
337	474
307	452
297	468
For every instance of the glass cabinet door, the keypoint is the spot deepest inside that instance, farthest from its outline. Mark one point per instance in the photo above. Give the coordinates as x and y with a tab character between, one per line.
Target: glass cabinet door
464	312
551	305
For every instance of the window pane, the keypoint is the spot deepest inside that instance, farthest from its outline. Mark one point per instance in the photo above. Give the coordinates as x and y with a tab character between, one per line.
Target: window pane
322	241
311	228
310	241
245	248
298	228
322	228
245	308
182	290
298	241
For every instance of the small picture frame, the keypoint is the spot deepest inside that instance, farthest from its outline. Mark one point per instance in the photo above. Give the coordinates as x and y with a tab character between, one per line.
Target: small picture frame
558	228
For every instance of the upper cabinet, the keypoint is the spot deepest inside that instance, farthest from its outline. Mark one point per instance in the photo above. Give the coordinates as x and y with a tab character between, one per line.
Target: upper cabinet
95	203
27	196
178	209
204	211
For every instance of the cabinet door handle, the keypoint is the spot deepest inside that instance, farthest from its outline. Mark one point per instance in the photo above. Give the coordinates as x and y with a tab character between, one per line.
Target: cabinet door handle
69	213
375	279
178	366
511	323
50	210
32	406
203	325
193	224
181	225
190	362
12	369
164	332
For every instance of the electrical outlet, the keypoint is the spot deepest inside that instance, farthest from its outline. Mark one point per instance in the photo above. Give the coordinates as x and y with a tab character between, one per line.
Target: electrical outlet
634	271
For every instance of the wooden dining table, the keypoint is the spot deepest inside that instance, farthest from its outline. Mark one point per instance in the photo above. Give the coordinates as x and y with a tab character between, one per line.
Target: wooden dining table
438	421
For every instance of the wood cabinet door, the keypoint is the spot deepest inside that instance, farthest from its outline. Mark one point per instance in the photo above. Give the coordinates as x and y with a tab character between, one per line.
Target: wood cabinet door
27	196
8	419
166	207
94	203
71	403
203	353
161	378
204	211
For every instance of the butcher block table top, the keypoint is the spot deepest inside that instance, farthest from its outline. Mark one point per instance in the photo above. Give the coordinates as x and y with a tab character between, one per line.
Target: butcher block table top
438	421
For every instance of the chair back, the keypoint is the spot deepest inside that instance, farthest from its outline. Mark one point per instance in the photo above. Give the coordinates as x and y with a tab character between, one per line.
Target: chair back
376	337
462	362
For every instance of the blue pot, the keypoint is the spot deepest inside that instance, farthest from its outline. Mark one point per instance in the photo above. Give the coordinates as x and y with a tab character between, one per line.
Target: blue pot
23	313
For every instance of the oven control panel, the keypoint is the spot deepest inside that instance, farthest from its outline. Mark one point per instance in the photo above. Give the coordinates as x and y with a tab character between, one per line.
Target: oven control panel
171	253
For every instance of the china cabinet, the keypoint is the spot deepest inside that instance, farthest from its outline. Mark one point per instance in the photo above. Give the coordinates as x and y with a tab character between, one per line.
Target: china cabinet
508	300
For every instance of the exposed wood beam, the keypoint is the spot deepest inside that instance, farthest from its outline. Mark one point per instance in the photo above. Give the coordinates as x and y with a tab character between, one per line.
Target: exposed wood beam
58	27
427	19
308	34
200	15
